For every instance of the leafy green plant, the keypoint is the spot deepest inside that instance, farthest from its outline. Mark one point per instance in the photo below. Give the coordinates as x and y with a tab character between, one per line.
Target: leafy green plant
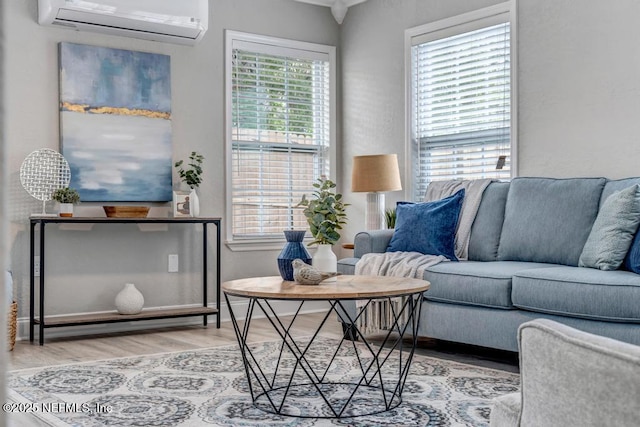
390	217
66	195
325	213
192	176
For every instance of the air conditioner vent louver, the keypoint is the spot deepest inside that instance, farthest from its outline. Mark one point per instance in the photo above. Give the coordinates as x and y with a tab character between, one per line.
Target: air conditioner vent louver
64	24
182	22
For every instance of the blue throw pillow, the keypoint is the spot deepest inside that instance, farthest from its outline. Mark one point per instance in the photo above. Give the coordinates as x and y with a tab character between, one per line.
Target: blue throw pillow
428	228
632	260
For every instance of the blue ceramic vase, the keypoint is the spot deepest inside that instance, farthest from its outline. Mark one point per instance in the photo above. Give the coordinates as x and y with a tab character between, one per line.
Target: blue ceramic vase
294	248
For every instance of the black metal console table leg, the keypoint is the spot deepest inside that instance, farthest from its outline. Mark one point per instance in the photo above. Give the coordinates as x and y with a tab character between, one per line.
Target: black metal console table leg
218	276
41	319
204	270
32	280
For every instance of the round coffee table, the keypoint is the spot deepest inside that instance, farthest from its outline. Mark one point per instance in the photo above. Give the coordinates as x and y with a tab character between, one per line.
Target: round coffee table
313	377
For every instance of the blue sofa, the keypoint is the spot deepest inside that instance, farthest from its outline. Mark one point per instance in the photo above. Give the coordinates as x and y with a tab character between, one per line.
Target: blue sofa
524	249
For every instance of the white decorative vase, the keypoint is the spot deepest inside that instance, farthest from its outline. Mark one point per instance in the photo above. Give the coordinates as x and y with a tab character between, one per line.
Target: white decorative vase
66	210
129	300
195	203
325	260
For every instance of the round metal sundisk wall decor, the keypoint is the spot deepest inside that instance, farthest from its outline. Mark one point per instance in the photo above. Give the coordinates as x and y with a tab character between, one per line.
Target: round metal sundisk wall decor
43	172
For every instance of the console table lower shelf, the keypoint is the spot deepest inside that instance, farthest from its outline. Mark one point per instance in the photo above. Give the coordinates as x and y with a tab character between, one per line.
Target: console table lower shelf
115	317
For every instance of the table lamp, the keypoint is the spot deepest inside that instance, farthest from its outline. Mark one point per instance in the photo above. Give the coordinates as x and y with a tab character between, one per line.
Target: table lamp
375	175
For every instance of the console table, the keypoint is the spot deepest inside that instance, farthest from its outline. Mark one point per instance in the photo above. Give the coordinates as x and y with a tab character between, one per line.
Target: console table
113	317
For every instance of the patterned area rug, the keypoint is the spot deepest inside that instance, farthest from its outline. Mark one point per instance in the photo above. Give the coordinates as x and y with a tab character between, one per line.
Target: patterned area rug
208	387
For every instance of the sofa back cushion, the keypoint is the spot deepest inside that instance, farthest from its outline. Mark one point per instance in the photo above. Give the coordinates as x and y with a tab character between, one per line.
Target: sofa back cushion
486	228
549	220
632	259
614	185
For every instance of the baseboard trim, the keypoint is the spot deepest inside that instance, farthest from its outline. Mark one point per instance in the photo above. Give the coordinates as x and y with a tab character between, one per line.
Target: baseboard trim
282	308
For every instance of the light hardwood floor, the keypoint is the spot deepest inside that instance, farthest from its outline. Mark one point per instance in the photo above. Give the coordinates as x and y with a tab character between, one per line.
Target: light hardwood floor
58	351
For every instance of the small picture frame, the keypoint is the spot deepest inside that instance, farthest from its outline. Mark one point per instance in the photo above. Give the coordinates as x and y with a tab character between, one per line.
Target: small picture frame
181	204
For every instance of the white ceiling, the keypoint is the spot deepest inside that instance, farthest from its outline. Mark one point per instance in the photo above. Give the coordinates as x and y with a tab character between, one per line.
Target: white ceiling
338	7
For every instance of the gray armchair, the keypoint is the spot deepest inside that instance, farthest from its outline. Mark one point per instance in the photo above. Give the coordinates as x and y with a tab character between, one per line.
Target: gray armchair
571	378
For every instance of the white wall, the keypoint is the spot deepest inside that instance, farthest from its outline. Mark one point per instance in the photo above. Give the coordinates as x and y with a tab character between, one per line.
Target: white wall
578	85
579	88
85	270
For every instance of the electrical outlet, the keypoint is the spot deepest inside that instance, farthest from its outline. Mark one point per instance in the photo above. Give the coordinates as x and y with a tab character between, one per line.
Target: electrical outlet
36	266
173	263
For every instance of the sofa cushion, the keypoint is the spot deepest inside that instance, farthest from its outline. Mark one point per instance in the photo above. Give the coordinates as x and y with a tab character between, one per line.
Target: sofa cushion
428	228
614	185
613	230
579	292
486	228
486	284
548	220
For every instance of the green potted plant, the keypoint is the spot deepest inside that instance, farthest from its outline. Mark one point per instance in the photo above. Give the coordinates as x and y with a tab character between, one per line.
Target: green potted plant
326	215
67	197
390	217
191	175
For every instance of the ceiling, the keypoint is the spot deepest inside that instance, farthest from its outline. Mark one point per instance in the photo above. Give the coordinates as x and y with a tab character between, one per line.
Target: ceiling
338	7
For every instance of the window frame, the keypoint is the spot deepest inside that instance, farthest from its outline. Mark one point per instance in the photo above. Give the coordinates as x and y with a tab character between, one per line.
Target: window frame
449	27
280	46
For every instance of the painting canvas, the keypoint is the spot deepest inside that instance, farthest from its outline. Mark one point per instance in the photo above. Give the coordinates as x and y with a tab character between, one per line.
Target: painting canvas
115	120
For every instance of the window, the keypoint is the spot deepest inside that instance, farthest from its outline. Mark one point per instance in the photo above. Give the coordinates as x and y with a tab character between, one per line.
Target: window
460	99
280	117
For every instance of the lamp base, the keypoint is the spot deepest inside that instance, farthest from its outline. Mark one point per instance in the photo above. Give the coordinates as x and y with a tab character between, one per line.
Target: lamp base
374	212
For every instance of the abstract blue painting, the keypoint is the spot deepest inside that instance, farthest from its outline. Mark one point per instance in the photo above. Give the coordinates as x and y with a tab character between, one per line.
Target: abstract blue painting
115	123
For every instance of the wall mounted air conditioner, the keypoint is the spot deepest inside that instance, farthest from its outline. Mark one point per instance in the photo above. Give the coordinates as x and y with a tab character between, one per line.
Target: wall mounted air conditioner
172	21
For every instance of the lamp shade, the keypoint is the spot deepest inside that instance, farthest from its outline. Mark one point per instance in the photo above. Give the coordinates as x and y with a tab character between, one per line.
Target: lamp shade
376	173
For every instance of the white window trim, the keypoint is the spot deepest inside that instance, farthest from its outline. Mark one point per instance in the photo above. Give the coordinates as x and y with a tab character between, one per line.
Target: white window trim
467	20
280	46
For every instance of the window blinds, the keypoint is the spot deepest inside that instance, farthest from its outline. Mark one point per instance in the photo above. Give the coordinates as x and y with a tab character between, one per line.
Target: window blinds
461	106
280	136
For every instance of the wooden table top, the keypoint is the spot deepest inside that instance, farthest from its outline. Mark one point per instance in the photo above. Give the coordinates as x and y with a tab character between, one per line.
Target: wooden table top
345	287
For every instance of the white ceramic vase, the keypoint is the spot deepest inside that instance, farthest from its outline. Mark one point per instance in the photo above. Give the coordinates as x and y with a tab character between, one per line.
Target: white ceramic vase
325	260
195	203
66	210
129	300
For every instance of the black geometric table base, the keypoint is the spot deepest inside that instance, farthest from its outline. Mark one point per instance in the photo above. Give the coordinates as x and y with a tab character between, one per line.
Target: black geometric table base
308	379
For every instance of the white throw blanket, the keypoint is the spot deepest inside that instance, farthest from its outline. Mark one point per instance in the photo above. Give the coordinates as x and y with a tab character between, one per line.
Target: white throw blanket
399	264
379	315
473	190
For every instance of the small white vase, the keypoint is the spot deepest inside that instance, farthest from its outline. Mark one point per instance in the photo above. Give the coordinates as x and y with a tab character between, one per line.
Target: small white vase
129	300
325	260
66	210
195	203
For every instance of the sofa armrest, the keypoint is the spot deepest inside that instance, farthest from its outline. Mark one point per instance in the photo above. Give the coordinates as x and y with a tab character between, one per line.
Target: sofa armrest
375	241
570	377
